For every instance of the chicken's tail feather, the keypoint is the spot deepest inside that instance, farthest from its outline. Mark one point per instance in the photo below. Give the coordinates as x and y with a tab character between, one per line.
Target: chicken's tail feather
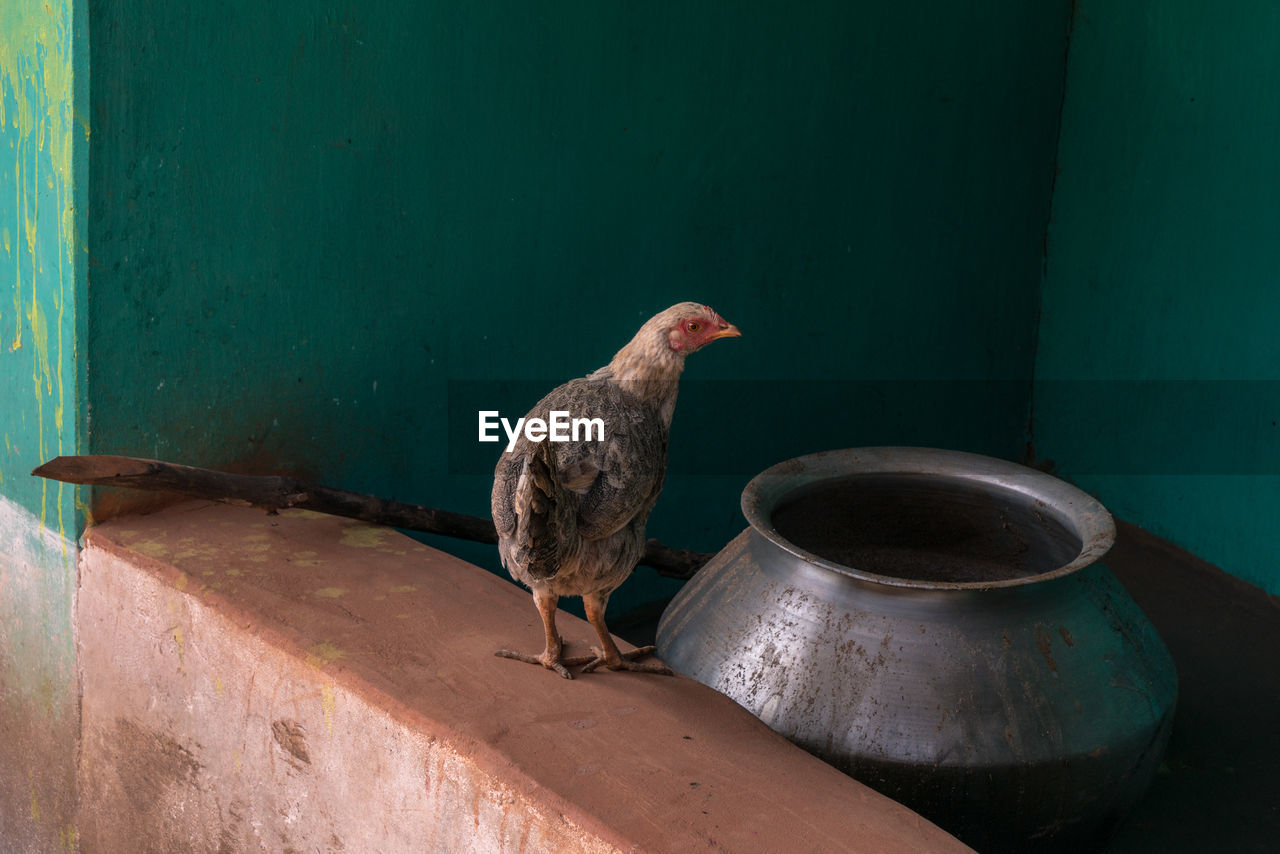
540	514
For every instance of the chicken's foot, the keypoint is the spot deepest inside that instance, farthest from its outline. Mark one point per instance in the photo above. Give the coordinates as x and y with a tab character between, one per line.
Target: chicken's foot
551	656
627	661
607	653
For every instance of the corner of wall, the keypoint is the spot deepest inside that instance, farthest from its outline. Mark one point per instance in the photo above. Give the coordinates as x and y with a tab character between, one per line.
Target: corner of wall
1031	458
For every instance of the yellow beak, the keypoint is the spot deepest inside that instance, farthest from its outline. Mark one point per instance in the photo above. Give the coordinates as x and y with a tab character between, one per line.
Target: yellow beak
729	331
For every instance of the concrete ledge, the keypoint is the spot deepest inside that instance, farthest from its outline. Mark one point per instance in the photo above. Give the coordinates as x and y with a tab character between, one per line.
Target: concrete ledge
305	683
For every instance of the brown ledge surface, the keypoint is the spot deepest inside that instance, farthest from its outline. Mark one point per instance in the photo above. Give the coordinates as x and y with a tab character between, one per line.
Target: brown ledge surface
303	682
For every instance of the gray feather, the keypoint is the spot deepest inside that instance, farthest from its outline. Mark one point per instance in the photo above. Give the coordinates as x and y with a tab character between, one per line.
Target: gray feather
553	500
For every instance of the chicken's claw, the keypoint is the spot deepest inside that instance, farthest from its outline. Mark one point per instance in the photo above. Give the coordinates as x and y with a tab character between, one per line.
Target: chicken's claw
556	665
627	661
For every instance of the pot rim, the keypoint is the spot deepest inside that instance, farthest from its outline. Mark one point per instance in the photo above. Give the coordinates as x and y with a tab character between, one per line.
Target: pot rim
1080	513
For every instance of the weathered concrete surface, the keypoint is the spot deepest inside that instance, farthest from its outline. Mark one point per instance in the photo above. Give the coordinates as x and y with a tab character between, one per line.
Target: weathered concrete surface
39	710
304	683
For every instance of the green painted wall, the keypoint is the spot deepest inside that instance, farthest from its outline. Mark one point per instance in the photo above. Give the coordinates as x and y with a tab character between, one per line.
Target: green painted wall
42	129
1159	357
321	233
42	151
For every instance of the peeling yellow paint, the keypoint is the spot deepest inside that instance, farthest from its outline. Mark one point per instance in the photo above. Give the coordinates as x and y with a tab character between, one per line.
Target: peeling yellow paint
180	642
42	374
150	548
35	799
296	513
69	839
217	687
403	588
324	653
234	572
191	547
328	704
181	581
83	508
331	592
364	536
201	553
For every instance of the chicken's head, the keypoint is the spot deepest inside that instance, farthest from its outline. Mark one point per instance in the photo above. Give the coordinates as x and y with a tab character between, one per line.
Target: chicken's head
651	363
693	326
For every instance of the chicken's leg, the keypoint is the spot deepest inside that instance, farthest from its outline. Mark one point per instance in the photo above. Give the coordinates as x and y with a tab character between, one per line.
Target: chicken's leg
551	654
607	653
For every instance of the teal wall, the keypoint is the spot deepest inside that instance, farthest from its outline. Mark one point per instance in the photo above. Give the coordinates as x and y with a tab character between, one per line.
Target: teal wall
42	129
1158	373
321	235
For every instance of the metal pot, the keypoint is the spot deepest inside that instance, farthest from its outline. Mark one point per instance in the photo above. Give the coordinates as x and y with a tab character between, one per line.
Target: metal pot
937	625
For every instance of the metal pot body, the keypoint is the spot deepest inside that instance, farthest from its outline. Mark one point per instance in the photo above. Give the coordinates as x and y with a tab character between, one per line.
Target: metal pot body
1024	706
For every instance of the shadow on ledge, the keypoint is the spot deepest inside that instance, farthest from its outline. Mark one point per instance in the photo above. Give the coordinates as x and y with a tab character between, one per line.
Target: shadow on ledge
1216	790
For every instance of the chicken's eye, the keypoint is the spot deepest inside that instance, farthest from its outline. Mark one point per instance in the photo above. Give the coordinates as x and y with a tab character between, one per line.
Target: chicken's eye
693	326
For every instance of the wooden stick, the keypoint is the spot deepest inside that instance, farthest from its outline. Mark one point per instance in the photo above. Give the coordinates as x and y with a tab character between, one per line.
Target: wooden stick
272	493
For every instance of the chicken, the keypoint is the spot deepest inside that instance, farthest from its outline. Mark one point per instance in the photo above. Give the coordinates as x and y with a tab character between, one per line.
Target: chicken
570	515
